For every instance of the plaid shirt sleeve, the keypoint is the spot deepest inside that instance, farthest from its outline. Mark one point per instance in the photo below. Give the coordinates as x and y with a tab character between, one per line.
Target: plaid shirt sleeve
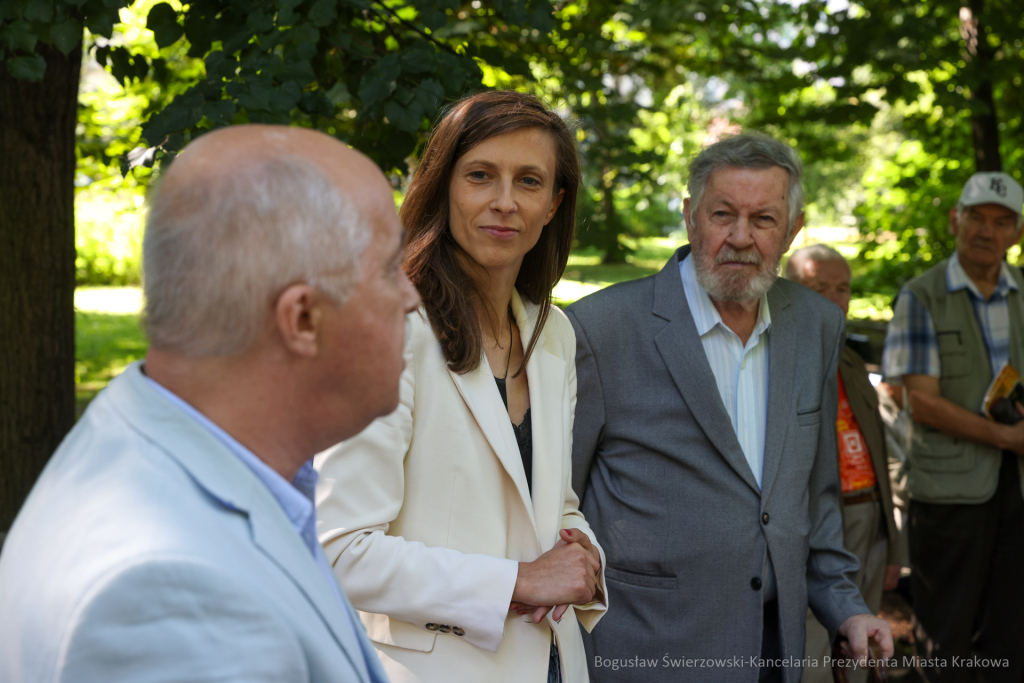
911	347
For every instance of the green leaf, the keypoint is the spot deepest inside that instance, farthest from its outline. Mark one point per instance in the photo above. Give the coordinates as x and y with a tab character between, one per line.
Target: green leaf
255	98
19	36
284	98
163	22
219	65
430	95
316	103
31	68
286	11
220	112
101	24
379	81
66	36
259	22
323	12
339	93
304	33
39	10
403	95
408	118
418	59
161	74
433	18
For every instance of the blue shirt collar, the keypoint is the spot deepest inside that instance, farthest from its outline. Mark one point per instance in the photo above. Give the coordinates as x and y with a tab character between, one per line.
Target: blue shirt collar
705	316
957	279
295	498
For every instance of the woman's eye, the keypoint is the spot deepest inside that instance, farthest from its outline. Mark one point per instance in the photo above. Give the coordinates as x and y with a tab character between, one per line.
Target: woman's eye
531	181
477	175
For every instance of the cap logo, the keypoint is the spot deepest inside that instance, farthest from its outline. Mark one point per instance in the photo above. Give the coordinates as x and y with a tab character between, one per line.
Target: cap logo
998	186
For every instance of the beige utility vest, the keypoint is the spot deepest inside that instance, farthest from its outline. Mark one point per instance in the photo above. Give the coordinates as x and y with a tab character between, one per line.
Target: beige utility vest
942	469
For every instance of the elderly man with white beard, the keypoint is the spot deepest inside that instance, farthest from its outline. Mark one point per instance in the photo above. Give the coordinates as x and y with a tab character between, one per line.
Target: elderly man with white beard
703	446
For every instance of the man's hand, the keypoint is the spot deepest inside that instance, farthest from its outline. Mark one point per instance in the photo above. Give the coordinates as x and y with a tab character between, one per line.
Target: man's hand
565	575
892	577
857	629
928	406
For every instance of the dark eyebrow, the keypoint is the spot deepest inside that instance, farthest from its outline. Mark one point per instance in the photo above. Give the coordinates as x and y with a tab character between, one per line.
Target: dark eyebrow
528	168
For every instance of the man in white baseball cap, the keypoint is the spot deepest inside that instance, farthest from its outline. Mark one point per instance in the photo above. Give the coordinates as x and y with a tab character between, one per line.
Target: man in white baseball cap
953	330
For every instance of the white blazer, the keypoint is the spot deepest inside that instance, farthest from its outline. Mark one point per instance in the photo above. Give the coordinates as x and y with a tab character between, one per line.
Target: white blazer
147	551
426	514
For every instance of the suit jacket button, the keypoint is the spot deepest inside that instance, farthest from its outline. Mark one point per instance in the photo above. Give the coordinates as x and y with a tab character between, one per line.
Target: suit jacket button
755	583
764	518
432	627
458	631
444	628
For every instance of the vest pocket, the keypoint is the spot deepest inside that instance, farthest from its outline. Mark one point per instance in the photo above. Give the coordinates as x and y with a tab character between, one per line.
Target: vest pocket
952	354
936	452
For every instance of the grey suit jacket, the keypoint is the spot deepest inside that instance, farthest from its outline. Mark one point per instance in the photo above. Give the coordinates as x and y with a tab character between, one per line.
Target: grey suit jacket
666	487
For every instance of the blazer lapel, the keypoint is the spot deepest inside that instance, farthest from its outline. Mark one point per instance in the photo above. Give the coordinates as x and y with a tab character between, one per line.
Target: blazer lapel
227	479
681	349
782	345
546	376
277	539
480	393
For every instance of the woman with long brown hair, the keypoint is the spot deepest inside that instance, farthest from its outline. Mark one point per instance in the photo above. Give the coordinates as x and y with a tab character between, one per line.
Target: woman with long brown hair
452	523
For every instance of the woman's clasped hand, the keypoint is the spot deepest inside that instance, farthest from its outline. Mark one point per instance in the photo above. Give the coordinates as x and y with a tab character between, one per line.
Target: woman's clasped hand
565	575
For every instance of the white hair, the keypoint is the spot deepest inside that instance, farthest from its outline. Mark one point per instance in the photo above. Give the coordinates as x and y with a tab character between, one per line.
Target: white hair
748	150
818	253
217	255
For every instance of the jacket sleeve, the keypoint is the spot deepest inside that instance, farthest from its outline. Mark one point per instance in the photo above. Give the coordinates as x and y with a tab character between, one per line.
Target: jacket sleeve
590	613
588	412
361	491
832	593
178	619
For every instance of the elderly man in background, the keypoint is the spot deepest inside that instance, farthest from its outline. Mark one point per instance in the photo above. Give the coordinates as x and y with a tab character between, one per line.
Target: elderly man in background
869	527
953	329
172	535
704	447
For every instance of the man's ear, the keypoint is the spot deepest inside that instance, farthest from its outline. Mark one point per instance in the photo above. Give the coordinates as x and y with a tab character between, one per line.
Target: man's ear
298	314
954	227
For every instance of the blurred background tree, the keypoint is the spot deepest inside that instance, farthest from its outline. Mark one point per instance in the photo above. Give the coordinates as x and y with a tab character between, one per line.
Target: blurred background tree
892	104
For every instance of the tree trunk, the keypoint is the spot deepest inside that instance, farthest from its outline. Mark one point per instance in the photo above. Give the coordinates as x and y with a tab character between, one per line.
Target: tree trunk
37	271
984	122
614	252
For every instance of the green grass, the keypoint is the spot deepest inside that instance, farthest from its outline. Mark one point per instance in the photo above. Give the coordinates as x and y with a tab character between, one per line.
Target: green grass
105	344
109	338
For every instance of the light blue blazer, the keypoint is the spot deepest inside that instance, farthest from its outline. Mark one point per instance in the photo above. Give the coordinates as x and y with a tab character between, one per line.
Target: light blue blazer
147	551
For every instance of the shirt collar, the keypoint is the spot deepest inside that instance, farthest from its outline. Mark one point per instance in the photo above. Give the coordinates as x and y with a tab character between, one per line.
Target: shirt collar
295	498
705	316
957	279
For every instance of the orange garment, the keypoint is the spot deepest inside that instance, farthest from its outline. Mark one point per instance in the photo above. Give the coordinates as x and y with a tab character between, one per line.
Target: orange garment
855	468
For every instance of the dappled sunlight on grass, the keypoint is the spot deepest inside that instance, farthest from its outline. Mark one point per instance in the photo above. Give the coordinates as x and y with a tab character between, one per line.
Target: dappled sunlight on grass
105	344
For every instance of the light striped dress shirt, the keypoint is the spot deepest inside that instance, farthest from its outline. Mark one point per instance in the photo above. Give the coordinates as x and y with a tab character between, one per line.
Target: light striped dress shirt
741	371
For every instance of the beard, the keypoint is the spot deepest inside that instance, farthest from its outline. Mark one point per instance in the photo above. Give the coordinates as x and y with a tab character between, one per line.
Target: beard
726	285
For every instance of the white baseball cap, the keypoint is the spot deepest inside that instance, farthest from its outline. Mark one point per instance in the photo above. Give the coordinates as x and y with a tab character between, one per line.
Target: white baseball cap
993	187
